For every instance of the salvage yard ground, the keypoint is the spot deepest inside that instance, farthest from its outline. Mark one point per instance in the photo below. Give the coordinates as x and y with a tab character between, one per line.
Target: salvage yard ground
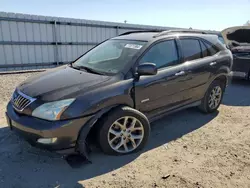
186	149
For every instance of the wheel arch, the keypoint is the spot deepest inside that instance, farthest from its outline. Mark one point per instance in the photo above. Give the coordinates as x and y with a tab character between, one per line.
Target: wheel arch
222	75
223	79
89	128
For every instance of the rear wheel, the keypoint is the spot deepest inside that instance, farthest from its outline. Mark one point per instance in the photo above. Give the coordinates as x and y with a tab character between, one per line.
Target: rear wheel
124	130
213	97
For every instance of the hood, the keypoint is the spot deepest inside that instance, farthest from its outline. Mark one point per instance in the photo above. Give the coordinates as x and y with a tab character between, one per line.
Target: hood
237	36
60	83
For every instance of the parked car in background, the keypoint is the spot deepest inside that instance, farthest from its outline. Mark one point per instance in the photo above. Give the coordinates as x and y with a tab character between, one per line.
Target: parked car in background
116	89
238	41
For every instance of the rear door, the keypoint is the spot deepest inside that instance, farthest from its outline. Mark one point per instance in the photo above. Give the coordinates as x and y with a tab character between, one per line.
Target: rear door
165	90
211	53
200	63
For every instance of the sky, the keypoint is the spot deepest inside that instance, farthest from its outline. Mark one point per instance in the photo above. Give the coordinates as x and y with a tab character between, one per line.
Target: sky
198	14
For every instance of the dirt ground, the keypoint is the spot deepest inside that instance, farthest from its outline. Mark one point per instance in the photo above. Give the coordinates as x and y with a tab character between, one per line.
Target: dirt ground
186	149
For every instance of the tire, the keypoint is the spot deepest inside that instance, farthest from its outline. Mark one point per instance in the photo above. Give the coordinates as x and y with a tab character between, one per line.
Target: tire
111	126
205	103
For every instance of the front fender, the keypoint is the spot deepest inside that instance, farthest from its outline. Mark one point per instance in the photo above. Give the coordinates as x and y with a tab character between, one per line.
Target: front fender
90	123
81	143
91	102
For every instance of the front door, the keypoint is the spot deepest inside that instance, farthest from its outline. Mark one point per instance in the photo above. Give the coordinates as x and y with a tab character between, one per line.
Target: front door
158	93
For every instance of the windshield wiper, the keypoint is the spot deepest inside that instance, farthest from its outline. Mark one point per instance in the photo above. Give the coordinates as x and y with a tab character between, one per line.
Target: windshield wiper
71	65
87	69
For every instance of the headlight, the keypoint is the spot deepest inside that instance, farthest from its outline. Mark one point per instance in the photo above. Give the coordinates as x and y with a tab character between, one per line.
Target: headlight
52	110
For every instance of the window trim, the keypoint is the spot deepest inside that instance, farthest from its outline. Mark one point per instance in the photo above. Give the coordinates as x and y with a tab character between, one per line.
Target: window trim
203	55
155	43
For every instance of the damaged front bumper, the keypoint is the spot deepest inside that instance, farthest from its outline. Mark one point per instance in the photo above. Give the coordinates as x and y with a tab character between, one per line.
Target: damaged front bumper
60	136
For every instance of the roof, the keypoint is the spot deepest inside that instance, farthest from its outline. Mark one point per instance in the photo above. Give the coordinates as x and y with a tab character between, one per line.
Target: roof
143	36
148	36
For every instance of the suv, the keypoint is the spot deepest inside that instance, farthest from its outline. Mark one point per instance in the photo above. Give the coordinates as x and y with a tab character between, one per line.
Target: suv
238	41
113	91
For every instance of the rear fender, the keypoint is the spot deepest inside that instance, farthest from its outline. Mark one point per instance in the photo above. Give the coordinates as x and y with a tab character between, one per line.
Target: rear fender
223	71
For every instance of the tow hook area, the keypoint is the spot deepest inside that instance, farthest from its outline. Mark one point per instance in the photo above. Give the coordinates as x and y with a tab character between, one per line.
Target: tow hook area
77	159
85	151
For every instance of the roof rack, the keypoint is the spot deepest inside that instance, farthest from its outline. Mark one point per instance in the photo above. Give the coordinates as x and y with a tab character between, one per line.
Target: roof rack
140	31
180	31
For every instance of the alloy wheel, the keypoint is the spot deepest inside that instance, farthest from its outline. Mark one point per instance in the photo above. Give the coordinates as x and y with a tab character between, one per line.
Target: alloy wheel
125	134
215	97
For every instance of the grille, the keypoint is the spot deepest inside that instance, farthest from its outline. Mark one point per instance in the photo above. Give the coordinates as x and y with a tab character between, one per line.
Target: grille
20	100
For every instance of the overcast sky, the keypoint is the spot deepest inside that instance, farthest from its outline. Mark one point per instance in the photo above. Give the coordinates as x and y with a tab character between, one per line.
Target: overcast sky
212	14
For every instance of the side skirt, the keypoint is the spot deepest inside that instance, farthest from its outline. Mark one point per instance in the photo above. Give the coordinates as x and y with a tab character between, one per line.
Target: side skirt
157	117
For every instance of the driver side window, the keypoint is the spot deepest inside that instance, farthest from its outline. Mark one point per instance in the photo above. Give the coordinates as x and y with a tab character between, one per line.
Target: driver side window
162	54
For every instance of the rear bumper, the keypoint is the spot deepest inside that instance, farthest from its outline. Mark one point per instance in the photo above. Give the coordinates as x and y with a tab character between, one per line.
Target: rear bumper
241	67
31	129
238	74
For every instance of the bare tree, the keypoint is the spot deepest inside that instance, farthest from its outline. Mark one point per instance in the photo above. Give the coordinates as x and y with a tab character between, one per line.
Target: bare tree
248	23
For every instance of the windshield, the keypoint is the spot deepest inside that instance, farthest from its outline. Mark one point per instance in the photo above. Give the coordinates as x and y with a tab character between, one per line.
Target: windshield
110	56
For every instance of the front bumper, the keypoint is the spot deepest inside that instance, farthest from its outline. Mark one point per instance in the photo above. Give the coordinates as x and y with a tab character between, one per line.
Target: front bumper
31	129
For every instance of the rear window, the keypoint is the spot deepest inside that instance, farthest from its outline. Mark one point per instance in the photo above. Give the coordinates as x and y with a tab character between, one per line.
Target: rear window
212	50
191	49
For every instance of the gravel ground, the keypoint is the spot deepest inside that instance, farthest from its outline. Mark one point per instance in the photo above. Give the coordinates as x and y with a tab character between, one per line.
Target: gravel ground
8	84
186	149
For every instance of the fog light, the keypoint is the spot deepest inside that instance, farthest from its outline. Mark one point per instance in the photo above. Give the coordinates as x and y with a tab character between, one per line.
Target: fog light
47	140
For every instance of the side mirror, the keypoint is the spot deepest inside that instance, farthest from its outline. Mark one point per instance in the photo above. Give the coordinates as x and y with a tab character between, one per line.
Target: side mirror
147	69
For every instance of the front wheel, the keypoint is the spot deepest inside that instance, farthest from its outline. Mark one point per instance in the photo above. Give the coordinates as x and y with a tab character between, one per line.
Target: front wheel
213	97
124	130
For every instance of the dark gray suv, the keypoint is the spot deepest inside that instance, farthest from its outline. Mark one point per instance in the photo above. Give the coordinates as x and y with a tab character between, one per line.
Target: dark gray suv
113	92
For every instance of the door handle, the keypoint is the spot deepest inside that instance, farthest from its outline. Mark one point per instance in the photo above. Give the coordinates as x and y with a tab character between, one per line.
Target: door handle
181	73
212	63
